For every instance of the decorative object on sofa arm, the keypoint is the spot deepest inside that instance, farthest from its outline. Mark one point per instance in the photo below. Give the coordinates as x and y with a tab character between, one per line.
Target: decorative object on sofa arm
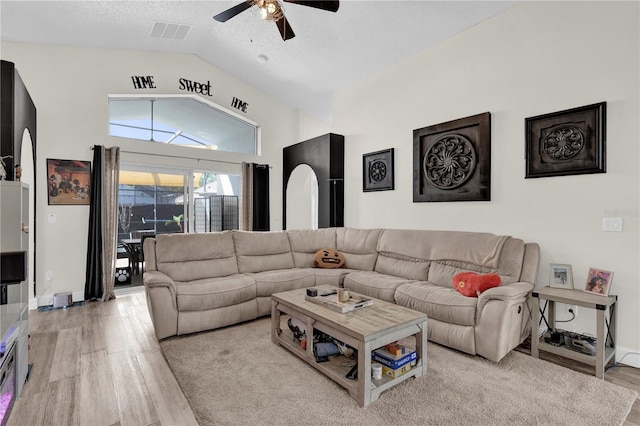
471	284
328	258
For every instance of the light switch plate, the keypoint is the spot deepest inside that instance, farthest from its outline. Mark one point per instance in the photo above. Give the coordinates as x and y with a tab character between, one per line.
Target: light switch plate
612	224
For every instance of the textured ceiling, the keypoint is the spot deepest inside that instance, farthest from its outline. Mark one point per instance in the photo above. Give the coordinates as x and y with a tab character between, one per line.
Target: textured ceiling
329	52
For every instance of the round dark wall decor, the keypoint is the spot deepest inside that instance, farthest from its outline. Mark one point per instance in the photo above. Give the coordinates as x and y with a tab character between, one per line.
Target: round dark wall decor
450	162
563	142
377	171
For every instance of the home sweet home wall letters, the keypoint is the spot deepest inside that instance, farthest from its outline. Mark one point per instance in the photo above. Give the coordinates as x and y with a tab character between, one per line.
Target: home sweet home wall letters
452	160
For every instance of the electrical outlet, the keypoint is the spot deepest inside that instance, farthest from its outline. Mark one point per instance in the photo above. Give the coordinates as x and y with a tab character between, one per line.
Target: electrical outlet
49	275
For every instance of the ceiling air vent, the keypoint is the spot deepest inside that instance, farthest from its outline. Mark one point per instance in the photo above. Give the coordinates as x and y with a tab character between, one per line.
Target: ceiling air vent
169	31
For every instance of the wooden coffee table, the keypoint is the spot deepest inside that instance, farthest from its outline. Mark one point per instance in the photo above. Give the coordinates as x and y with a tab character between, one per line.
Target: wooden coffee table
365	329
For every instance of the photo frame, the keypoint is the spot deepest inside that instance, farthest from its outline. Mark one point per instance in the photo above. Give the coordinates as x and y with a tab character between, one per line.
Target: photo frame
452	160
561	276
68	182
377	171
598	281
569	142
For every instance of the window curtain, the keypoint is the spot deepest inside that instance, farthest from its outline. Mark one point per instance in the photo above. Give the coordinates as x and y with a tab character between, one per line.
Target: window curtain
255	197
103	222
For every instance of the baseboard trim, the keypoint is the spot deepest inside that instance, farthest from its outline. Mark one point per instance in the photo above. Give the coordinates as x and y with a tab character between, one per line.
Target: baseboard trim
631	356
33	304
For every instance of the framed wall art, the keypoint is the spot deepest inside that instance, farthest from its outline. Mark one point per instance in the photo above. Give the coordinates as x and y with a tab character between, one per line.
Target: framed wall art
452	160
377	171
68	182
598	281
560	276
569	142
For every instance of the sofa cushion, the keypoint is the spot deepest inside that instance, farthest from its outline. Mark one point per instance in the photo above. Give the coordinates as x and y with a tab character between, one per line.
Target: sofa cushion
213	293
270	282
443	304
306	242
333	277
189	257
359	247
374	284
400	254
262	251
509	266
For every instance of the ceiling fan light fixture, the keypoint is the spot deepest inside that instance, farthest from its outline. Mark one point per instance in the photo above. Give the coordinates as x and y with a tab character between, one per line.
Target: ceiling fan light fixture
270	10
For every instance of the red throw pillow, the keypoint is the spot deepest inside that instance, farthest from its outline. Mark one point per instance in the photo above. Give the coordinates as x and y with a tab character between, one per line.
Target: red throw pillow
328	258
471	284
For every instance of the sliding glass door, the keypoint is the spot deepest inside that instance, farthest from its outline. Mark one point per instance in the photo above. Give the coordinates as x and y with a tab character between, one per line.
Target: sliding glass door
161	201
151	202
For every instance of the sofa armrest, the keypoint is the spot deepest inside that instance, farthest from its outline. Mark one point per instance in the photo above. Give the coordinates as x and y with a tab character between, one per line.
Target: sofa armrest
502	319
507	292
161	302
155	279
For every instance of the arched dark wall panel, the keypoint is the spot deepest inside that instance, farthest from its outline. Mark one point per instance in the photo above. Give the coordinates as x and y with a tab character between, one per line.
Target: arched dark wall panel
325	155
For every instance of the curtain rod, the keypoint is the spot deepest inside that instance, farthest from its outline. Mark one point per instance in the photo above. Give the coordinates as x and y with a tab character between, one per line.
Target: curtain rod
180	156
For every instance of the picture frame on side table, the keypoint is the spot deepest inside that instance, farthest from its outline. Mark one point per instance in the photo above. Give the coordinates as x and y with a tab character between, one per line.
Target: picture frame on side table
561	276
569	142
598	281
68	182
377	171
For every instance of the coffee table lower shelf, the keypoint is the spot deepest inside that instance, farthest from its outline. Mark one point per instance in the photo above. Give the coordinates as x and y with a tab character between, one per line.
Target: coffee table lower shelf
364	389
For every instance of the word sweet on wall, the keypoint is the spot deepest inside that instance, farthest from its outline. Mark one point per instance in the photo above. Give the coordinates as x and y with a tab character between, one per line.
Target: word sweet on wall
195	87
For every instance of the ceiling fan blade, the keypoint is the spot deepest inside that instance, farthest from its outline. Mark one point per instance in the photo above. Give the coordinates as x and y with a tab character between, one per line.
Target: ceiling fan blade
285	29
331	6
230	13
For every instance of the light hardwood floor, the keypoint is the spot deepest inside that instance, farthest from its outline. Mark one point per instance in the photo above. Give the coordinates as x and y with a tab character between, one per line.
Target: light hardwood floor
100	364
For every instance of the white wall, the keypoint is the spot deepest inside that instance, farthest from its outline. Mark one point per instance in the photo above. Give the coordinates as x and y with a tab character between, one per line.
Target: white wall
69	87
537	58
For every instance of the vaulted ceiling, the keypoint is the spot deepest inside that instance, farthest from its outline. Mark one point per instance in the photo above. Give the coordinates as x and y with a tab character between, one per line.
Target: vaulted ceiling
329	52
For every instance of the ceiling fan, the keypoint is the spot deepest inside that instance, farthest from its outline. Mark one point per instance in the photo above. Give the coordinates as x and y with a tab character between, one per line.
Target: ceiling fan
271	10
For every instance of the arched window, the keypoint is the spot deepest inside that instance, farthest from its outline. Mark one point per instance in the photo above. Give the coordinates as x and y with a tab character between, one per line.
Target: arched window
182	120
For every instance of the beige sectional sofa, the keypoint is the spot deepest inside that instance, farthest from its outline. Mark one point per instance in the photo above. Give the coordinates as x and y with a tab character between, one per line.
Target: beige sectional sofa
197	282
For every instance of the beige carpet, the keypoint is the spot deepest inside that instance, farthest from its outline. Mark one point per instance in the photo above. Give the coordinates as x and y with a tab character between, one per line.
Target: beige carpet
237	376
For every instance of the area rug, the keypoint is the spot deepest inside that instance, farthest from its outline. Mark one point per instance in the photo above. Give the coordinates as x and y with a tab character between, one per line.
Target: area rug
237	376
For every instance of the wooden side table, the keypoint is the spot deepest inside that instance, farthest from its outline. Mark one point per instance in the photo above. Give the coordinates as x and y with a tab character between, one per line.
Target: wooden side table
605	327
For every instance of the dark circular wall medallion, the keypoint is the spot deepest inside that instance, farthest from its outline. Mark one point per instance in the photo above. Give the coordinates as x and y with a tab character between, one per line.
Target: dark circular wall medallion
563	142
450	162
377	171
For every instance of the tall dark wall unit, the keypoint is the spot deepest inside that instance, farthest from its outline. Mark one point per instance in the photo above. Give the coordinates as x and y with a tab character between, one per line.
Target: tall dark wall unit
17	113
325	155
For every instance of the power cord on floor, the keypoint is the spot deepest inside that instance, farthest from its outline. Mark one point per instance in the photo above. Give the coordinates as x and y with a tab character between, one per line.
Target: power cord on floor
617	364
